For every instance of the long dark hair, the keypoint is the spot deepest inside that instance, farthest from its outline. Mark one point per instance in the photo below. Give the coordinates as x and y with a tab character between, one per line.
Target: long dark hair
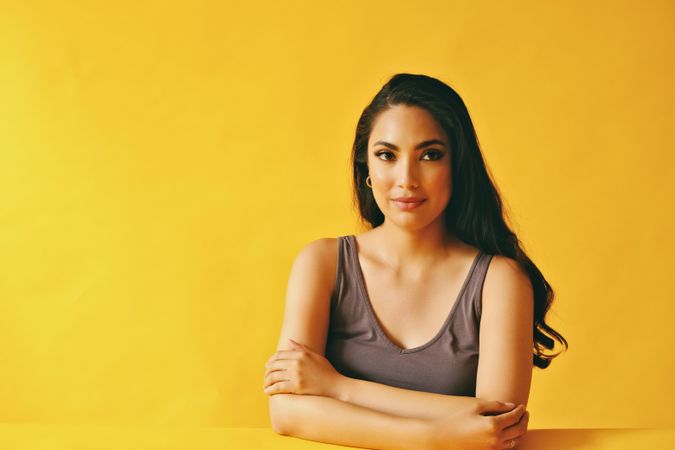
474	213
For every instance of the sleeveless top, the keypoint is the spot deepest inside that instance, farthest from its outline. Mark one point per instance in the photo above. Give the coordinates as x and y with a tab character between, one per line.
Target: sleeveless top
357	346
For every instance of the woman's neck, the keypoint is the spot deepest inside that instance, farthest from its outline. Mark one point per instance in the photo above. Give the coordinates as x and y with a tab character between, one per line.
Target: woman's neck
399	247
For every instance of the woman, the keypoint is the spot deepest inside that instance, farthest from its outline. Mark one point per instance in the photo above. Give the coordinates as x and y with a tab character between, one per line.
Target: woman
372	352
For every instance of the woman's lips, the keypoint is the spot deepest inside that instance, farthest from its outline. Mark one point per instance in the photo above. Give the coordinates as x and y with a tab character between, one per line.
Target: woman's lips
408	204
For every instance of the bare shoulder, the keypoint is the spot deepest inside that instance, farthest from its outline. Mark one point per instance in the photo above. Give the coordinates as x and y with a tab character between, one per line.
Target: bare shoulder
506	279
319	255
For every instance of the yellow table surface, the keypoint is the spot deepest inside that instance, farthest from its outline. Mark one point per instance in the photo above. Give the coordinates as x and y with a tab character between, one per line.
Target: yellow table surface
57	437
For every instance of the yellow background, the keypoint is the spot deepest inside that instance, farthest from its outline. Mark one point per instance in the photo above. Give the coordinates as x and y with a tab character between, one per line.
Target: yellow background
161	164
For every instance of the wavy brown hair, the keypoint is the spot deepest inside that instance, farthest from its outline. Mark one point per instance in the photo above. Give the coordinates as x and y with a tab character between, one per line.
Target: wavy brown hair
475	212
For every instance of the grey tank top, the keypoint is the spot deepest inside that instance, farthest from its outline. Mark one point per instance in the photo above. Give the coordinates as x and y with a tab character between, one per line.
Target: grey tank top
357	346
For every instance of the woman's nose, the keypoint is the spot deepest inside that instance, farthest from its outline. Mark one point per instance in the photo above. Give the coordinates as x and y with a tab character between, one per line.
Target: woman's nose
407	176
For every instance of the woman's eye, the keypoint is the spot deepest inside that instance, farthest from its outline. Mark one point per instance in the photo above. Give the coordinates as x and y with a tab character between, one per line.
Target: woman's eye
437	155
383	153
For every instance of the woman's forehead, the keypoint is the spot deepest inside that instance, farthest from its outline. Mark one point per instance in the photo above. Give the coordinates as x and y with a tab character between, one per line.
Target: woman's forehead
406	126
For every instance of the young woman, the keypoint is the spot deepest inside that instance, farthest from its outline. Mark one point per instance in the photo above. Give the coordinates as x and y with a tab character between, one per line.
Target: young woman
421	332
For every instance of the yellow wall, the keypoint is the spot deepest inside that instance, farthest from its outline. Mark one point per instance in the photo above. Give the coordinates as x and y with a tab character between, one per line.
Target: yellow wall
162	164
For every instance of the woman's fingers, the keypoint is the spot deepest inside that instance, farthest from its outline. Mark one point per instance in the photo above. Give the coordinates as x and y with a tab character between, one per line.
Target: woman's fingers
273	375
510	418
275	366
279	360
506	445
515	432
518	429
280	387
276	380
494	407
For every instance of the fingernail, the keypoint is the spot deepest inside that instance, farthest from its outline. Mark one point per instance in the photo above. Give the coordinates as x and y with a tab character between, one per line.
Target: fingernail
510	404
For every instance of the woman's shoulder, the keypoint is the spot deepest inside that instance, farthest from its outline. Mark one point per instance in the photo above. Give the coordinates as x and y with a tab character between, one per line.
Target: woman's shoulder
506	268
316	263
321	253
506	277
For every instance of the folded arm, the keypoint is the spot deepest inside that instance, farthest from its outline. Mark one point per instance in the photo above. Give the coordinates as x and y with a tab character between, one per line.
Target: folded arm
325	419
399	401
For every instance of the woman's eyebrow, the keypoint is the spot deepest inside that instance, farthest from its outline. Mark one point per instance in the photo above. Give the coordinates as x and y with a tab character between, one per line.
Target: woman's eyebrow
417	147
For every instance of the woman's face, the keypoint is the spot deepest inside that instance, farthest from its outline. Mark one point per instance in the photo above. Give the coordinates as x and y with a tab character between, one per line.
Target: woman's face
409	156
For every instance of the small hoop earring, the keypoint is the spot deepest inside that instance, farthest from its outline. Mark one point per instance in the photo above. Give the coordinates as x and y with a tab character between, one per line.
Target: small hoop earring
369	185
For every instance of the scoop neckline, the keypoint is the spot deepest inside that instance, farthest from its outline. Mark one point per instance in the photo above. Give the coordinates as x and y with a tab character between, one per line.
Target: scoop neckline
371	312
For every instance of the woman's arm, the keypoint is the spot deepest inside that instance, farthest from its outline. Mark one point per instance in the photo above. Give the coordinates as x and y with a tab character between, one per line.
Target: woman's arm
325	419
399	401
506	335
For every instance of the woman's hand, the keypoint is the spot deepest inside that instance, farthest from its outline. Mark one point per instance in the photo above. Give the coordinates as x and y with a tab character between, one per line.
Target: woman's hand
491	425
300	370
